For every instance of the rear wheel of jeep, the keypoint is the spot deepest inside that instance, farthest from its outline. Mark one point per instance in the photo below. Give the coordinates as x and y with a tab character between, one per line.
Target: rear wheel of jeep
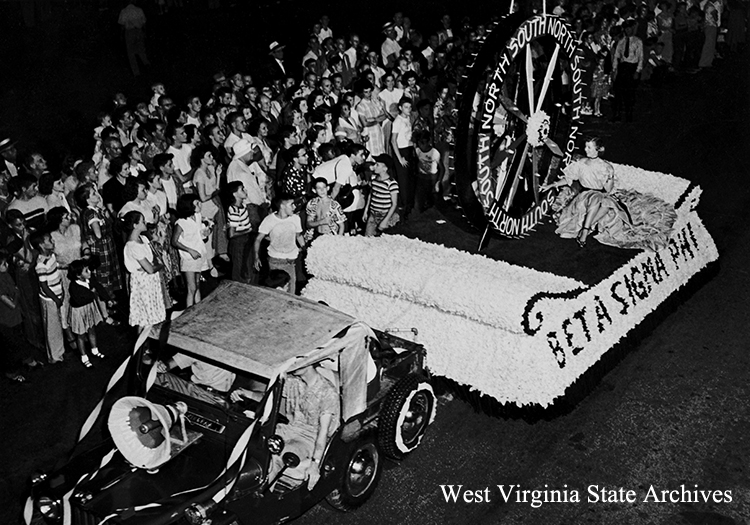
361	475
406	412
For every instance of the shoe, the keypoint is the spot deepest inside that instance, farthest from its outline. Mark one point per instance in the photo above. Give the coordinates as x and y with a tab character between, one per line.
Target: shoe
16	377
214	273
85	361
598	114
96	353
582	242
586	111
112	322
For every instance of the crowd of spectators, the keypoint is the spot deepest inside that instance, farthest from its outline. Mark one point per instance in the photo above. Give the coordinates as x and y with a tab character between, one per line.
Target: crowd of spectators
351	138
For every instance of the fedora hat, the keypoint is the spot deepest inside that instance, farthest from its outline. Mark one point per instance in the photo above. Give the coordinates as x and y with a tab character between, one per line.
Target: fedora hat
275	46
6	143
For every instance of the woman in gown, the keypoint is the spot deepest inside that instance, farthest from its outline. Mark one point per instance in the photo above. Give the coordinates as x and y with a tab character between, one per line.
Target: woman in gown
619	217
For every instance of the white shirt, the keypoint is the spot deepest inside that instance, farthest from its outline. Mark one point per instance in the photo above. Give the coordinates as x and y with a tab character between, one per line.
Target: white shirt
391	99
388	48
252	177
205	374
170	190
181	158
283	235
402	127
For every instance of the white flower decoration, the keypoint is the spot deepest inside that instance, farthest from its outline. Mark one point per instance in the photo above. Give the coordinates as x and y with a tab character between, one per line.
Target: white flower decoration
537	128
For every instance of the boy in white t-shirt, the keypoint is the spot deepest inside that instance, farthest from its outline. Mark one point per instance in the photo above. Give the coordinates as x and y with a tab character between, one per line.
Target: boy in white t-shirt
429	171
284	231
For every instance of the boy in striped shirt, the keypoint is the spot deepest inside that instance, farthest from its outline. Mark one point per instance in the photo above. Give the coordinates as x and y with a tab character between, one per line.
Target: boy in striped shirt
50	294
240	226
380	211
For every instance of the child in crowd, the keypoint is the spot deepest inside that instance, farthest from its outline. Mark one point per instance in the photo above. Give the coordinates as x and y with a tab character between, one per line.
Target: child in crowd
240	234
86	307
50	294
284	230
188	239
98	239
147	305
429	171
600	85
158	90
380	210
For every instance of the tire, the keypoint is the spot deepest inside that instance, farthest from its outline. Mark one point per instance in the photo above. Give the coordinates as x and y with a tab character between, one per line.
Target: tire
405	415
361	475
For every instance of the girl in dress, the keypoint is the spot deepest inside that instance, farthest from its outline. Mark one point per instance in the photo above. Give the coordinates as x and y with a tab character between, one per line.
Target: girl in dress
188	239
67	238
98	238
600	86
206	181
87	308
146	297
619	217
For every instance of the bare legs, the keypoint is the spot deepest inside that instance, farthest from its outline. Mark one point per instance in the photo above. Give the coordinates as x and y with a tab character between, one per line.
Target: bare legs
193	288
594	213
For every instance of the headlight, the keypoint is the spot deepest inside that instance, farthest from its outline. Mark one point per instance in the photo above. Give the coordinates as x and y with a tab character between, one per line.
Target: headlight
50	508
197	514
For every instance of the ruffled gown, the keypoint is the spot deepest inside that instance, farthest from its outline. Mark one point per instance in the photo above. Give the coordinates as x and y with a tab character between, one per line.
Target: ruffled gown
633	220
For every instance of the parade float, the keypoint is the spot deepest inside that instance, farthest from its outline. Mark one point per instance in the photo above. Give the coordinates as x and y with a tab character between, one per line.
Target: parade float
530	329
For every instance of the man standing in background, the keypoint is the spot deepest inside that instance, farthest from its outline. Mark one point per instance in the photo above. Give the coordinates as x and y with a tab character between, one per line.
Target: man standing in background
133	19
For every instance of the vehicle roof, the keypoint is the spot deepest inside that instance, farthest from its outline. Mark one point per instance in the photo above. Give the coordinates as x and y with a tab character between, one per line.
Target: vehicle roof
254	329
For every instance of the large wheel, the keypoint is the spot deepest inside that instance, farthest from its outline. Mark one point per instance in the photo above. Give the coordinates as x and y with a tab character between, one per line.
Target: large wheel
518	118
406	412
361	475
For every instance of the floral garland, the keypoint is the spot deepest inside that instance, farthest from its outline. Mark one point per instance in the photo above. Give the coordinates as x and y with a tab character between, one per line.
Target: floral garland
516	334
537	129
386	265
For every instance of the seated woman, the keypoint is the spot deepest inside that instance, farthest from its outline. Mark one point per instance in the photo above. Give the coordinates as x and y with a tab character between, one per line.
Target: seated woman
621	218
311	403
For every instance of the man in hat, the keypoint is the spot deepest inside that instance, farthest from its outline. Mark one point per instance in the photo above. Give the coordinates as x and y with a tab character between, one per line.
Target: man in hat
245	168
276	67
627	64
390	50
9	155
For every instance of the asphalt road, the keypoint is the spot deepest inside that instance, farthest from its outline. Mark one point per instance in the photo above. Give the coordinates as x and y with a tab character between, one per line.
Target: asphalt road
673	413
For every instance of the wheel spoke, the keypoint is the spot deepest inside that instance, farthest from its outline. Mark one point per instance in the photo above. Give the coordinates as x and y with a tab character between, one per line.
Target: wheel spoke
517	177
535	164
548	77
554	148
502	153
510	107
530	79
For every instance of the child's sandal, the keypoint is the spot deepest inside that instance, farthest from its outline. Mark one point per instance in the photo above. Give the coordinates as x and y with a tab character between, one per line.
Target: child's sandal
85	361
96	353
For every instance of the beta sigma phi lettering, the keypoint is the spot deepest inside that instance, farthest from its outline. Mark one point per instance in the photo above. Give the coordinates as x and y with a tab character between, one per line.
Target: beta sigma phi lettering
520	150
